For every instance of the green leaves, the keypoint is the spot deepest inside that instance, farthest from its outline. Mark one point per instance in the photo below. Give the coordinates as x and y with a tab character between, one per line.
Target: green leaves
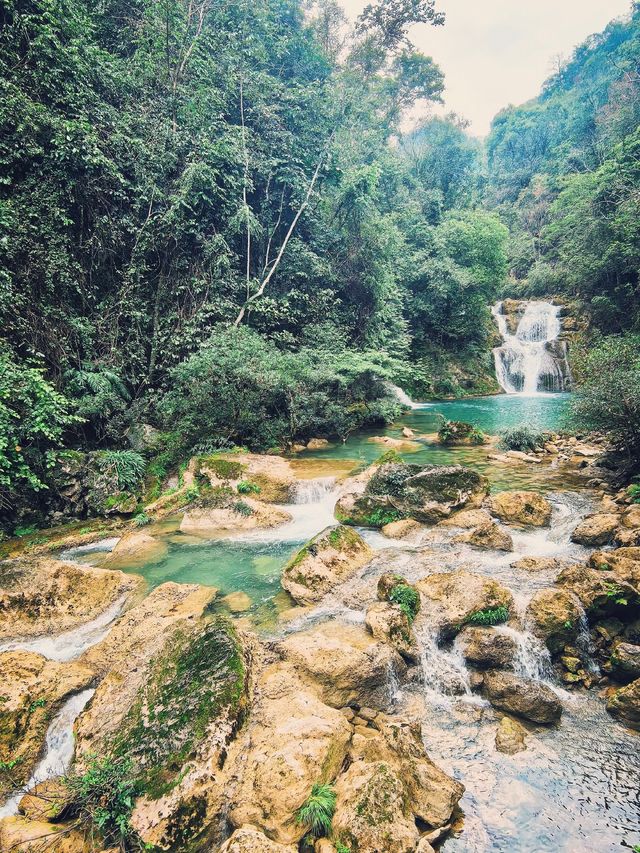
318	809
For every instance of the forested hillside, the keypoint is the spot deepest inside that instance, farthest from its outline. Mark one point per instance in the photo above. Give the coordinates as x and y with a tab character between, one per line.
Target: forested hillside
209	225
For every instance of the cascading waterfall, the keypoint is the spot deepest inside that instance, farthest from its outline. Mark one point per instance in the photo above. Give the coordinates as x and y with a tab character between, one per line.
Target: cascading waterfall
533	359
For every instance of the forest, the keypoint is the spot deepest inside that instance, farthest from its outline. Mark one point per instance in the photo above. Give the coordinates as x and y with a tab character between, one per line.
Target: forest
214	221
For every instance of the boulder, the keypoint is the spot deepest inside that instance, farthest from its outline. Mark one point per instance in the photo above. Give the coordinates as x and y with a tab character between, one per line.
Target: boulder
20	835
389	624
425	493
43	596
596	529
136	549
601	593
631	517
510	737
554	616
540	564
241	514
291	741
488	536
524	508
624	563
467	518
449	600
47	801
625	662
248	839
272	474
400	529
522	697
346	663
317	444
624	705
324	563
487	648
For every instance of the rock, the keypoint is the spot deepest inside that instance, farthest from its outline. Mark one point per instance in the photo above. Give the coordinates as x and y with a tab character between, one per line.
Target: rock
317	444
510	736
624	705
601	593
424	846
625	662
596	529
631	517
48	801
487	648
624	563
425	493
46	596
522	457
19	835
522	697
554	616
136	549
467	518
33	689
345	662
526	508
627	538
273	475
450	599
400	529
407	432
143	437
248	839
394	443
324	563
389	624
291	741
323	845
237	602
386	583
242	514
540	564
488	536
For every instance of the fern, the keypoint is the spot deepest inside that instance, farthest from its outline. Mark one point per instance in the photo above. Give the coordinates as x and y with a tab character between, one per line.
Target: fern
318	809
126	466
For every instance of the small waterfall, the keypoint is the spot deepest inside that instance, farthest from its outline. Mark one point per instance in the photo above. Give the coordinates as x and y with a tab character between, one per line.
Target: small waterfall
444	671
313	491
532	659
585	646
404	398
58	749
532	360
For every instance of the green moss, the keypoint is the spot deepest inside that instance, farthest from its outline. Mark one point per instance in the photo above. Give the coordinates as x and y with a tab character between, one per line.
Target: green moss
224	469
489	616
246	487
381	516
388	456
407	598
198	680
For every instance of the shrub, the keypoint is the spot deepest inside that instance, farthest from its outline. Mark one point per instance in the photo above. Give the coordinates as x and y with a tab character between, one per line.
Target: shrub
521	438
242	508
490	616
407	598
141	519
127	467
477	436
318	809
245	487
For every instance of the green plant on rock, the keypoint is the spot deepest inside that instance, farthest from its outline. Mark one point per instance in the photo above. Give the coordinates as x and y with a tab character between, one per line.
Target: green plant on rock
615	593
242	508
102	800
521	438
341	848
477	436
407	598
246	487
380	516
127	467
318	809
141	519
388	456
634	493
27	530
489	616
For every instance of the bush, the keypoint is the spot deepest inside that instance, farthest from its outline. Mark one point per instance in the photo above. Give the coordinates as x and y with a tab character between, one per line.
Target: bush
407	598
141	519
318	809
126	466
608	397
521	438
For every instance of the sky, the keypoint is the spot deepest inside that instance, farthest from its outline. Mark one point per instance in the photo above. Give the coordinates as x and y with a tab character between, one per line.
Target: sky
499	52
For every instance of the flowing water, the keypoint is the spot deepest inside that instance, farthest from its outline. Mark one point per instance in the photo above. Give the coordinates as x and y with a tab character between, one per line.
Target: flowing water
532	359
58	749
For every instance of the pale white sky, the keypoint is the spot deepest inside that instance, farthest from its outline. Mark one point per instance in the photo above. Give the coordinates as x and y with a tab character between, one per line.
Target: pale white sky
497	52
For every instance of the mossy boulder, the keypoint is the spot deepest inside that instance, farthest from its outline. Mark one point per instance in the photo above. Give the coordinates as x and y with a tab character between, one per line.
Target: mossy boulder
554	616
624	705
326	561
426	493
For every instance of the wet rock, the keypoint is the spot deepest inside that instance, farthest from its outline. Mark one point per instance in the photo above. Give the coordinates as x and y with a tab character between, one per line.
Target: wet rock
47	801
386	583
487	648
272	474
625	662
345	662
425	493
510	737
596	529
449	600
317	444
488	536
424	846
407	432
21	835
324	563
237	602
248	839
33	690
624	705
467	518
522	697
601	593
389	624
627	538
240	515
554	616
400	529
526	508
136	549
631	517
624	563
49	596
394	443
291	741
540	564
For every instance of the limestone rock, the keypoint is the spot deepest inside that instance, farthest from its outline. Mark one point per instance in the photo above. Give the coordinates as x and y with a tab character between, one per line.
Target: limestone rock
136	549
389	624
624	563
522	696
207	521
248	839
596	529
554	616
487	648
489	536
400	529
510	737
601	593
625	662
624	705
47	801
540	564
20	835
317	443
322	564
272	474
467	518
345	662
450	599
526	508
631	517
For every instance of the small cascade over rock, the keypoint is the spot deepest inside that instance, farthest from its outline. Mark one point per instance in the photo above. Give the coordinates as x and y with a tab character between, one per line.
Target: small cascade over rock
532	358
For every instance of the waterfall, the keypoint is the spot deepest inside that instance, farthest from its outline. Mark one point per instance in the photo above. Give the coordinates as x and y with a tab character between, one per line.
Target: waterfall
532	359
313	491
444	672
404	398
58	749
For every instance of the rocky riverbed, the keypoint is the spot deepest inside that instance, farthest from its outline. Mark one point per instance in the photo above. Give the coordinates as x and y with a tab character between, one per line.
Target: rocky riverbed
458	667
